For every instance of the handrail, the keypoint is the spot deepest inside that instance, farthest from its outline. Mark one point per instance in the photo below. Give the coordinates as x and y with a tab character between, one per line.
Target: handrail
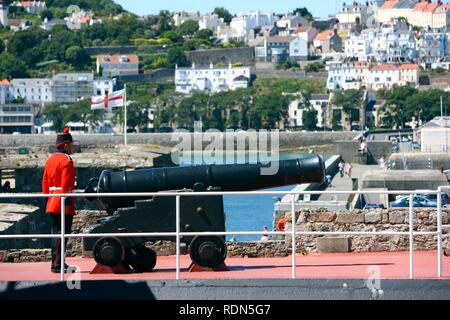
293	233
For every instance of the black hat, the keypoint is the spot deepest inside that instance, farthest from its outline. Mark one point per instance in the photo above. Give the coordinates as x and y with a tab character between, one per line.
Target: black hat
63	138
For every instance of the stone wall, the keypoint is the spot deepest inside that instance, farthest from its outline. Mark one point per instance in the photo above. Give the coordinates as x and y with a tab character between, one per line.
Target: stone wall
288	140
203	58
350	151
394	219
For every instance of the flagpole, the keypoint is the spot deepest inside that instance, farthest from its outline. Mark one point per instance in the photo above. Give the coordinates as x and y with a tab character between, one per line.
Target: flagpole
125	116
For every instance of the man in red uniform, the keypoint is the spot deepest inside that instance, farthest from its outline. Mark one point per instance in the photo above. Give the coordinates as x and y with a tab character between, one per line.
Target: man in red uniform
59	177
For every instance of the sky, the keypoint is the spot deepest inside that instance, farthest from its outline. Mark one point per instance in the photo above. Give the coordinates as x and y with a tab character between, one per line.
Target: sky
319	8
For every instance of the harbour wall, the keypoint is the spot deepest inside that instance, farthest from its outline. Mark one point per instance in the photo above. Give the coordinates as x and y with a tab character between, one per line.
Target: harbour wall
393	219
287	140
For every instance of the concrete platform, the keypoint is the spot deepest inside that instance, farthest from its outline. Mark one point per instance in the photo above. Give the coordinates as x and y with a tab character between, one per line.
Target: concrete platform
313	266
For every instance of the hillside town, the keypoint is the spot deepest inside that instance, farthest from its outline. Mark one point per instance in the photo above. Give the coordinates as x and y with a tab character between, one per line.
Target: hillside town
336	73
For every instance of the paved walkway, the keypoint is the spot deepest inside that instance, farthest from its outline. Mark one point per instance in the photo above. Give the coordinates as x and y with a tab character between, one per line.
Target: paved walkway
345	183
314	266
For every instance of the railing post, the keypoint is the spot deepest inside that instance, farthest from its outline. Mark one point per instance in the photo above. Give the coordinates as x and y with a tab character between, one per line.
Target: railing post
439	231
63	233
294	245
411	238
177	221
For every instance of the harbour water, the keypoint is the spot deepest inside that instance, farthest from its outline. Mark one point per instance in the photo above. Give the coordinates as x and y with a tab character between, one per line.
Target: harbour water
252	213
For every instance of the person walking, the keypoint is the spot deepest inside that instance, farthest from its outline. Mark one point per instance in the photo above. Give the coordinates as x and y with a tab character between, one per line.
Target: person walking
59	178
341	168
348	169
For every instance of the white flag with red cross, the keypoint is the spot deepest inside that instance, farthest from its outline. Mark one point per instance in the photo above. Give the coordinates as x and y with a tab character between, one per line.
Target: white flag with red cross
112	100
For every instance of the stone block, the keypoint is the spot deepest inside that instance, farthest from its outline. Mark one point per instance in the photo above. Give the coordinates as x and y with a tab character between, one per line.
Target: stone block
4	226
333	245
322	217
350	218
397	217
445	217
372	217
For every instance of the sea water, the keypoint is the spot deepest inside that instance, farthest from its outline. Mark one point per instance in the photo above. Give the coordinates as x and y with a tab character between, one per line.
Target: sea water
252	213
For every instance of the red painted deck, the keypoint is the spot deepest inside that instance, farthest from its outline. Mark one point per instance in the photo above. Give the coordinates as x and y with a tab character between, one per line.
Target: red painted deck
313	266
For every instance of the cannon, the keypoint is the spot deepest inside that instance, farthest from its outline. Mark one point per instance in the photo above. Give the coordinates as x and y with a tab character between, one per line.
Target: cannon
197	213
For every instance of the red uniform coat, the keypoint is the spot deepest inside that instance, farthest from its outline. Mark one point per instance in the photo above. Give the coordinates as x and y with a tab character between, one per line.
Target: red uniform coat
59	177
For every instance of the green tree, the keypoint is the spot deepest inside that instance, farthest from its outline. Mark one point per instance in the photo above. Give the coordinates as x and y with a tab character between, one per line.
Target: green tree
76	56
223	13
11	67
304	12
80	111
55	113
310	119
425	105
188	28
2	46
164	21
137	115
29	45
177	56
396	104
350	101
46	14
204	34
268	110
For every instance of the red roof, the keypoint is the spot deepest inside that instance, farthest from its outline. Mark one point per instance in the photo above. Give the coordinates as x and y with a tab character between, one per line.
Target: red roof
323	36
408	66
115	59
389	4
4	82
384	67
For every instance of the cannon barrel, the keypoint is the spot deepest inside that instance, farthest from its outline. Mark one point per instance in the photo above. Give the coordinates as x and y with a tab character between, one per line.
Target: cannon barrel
236	177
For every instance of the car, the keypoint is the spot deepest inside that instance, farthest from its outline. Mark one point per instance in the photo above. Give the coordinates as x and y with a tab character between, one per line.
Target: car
444	197
416	146
422	200
373	206
404	203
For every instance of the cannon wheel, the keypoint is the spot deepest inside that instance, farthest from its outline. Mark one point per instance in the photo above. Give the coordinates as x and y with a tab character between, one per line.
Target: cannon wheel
108	252
141	258
208	251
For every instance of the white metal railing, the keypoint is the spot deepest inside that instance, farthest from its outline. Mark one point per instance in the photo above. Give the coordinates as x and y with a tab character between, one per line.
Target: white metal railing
293	233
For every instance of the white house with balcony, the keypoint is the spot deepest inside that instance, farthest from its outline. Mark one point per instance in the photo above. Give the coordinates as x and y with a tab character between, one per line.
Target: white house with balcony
211	79
212	22
241	25
35	91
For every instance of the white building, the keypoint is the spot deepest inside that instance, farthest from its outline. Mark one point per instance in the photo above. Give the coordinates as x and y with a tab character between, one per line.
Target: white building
354	13
392	42
307	33
102	87
32	7
385	76
435	135
280	49
346	75
181	17
5	92
318	102
35	91
4	14
211	79
241	25
420	13
289	21
17	118
212	22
